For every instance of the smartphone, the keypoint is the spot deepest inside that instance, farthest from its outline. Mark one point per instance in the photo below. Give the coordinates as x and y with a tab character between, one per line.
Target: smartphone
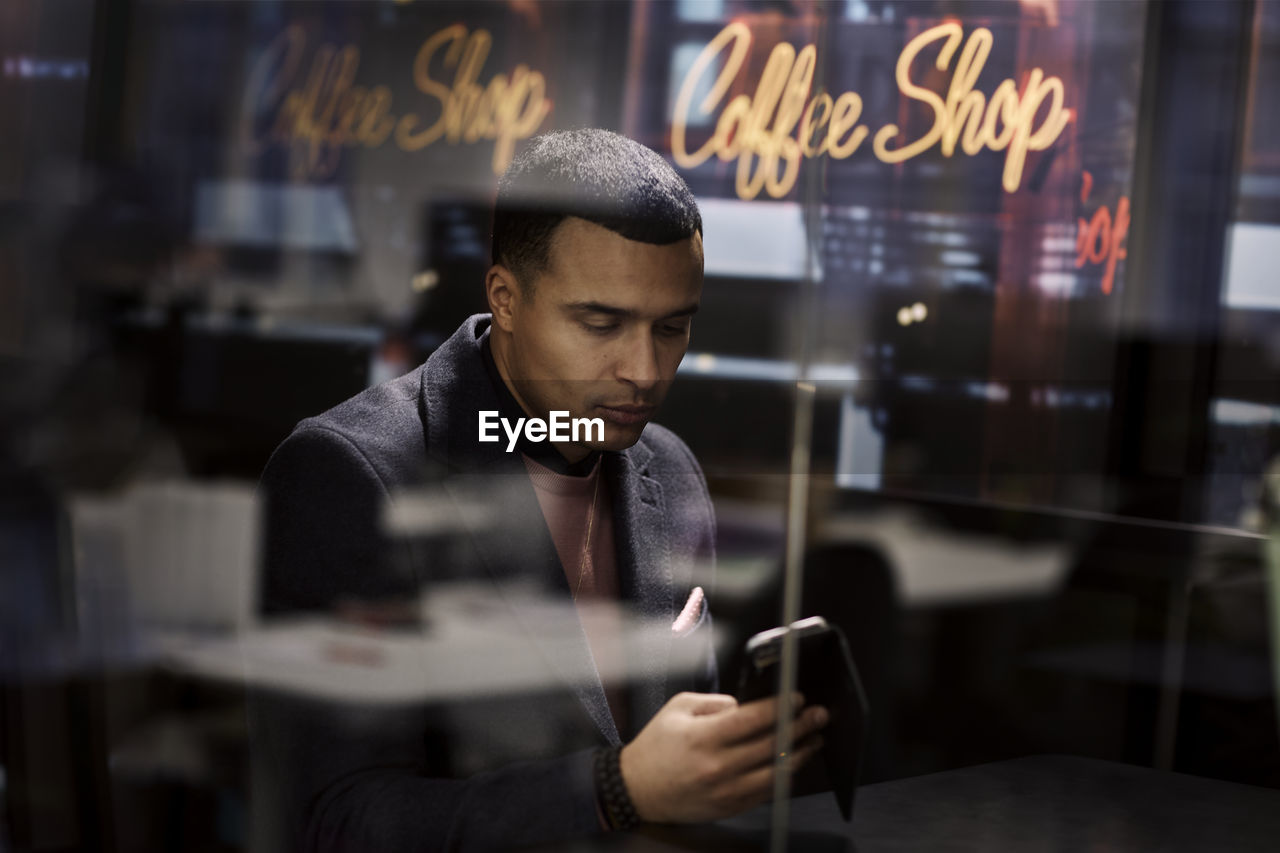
827	676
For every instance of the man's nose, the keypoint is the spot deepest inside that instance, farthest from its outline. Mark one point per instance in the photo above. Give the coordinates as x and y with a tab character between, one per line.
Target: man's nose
639	364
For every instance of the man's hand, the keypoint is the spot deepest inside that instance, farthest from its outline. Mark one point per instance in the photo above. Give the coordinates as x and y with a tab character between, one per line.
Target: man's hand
704	757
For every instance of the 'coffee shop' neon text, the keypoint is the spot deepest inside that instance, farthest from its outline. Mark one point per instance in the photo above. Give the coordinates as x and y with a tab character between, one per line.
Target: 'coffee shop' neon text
771	131
317	115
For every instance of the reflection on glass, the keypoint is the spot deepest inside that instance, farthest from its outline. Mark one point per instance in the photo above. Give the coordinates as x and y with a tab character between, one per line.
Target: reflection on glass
983	372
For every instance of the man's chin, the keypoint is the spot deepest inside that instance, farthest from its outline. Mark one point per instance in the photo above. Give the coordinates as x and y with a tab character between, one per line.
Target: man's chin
620	436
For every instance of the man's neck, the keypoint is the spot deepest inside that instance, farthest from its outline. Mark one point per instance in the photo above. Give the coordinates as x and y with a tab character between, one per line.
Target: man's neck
564	459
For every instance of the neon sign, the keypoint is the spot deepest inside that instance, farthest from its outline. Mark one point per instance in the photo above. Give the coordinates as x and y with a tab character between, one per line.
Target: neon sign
771	131
317	116
1100	240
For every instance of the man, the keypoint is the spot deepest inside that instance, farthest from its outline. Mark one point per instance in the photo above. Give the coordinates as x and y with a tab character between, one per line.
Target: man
597	273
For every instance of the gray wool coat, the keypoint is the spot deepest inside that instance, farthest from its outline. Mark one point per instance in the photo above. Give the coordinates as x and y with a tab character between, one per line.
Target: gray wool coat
408	778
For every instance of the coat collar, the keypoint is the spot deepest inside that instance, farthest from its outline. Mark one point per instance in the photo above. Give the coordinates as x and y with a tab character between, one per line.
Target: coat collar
455	386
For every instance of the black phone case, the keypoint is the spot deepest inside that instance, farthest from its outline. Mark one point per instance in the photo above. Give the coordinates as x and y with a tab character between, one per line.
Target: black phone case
826	676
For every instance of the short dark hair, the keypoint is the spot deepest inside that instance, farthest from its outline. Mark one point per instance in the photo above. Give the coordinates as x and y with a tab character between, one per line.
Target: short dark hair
593	174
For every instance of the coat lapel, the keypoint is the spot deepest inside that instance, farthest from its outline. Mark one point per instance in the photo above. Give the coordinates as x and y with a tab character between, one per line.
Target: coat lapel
644	569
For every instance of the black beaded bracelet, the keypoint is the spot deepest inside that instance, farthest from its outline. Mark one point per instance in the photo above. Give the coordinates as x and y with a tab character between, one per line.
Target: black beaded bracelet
615	802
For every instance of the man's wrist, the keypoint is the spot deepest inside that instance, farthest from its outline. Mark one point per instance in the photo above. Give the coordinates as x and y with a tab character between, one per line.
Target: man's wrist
612	798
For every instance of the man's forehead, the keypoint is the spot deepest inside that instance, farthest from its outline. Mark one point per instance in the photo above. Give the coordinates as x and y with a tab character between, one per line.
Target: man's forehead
622	310
588	261
575	233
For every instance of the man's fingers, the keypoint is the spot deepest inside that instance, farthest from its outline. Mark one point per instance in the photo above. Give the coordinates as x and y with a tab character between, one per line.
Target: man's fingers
762	749
756	786
703	704
751	788
751	720
809	721
805	750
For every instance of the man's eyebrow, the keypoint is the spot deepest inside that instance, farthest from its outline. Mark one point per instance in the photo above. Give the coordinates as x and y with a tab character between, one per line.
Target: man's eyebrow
625	313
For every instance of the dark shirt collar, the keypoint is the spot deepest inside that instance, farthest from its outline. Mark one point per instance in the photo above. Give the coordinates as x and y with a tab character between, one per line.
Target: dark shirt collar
542	452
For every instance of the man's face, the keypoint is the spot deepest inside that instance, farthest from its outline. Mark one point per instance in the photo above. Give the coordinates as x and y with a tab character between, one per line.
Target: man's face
603	330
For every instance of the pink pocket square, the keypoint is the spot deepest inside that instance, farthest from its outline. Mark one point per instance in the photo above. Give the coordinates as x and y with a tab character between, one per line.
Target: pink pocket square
691	613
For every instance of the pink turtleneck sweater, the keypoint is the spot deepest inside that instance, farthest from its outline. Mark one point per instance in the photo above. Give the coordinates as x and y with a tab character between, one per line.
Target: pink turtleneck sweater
592	574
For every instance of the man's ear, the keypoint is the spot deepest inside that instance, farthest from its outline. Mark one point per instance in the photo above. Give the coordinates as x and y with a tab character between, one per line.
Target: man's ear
502	291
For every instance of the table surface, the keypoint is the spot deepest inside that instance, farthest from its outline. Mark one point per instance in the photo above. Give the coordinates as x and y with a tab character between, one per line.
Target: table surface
1038	803
469	646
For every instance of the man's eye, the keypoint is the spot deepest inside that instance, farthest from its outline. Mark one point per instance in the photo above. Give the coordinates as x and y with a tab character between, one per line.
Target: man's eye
600	329
675	331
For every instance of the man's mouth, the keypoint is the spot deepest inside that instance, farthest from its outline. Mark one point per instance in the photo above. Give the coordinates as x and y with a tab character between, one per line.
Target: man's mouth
627	415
